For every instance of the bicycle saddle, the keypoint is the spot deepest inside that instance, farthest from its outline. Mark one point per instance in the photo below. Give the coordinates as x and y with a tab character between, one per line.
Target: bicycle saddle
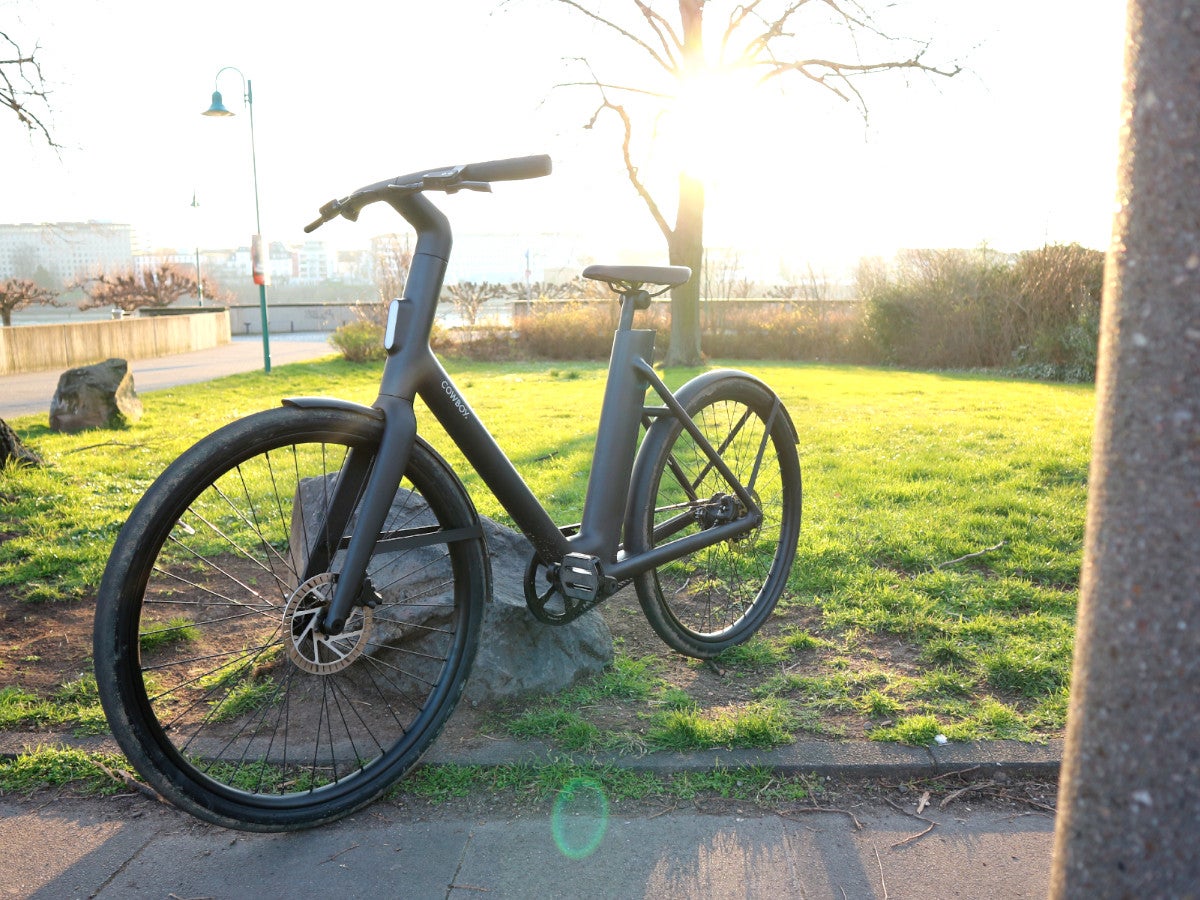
636	276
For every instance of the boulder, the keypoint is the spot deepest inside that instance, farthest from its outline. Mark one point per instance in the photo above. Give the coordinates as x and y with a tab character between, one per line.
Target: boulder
95	396
517	656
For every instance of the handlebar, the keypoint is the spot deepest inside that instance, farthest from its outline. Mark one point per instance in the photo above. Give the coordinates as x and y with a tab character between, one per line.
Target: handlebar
469	177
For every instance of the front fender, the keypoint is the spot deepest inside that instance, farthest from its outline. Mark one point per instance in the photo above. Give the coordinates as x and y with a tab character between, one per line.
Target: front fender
332	403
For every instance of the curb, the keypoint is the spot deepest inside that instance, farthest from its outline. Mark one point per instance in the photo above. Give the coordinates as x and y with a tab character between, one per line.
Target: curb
851	759
855	759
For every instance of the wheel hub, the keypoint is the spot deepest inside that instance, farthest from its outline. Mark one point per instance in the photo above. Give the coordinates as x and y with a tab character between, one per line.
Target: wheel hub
309	648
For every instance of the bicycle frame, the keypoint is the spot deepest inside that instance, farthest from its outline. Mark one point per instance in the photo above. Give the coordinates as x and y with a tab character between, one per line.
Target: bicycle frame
412	370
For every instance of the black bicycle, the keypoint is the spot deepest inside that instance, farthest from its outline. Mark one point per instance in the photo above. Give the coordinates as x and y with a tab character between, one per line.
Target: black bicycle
290	613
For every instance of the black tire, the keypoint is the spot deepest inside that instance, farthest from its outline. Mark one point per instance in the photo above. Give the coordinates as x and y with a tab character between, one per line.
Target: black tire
717	597
213	686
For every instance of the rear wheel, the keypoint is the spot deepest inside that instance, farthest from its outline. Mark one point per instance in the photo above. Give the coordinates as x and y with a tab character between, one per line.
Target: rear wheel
718	596
216	683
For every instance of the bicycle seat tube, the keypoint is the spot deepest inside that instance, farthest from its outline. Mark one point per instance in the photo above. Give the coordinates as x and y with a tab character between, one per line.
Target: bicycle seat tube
616	438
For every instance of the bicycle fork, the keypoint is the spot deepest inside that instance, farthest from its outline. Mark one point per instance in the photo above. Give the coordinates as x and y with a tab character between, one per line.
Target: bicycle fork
391	460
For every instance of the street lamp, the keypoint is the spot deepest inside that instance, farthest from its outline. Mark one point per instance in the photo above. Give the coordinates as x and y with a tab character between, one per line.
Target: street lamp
217	108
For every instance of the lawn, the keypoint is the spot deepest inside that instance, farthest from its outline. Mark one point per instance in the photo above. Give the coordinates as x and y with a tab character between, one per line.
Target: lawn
933	593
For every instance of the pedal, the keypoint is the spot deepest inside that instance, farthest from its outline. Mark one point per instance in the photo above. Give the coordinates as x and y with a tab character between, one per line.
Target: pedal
579	576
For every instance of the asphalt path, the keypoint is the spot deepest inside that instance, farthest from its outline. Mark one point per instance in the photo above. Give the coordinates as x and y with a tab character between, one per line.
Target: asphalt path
31	393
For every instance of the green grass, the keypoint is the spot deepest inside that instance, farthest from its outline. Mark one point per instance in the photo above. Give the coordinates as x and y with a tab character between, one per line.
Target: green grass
943	514
540	783
76	705
96	774
50	767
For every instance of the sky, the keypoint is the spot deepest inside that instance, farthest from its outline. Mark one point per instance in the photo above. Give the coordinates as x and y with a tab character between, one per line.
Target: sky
1018	149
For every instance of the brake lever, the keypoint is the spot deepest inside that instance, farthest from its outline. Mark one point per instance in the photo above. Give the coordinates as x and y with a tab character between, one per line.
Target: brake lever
483	186
329	211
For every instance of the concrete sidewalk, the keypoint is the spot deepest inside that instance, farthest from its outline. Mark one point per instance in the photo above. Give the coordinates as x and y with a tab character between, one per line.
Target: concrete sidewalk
130	847
866	847
31	393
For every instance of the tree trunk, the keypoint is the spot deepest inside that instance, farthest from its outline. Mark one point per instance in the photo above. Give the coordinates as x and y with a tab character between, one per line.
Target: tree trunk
685	247
685	244
13	451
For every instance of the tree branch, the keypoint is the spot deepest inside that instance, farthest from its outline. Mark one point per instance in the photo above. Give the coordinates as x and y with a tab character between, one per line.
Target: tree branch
15	95
631	169
760	43
604	85
659	24
825	69
668	66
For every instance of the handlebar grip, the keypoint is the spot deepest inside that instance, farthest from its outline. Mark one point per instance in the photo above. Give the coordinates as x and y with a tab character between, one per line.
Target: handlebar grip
515	169
314	225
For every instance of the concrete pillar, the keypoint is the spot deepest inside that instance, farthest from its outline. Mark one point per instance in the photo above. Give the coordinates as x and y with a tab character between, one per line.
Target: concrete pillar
1129	801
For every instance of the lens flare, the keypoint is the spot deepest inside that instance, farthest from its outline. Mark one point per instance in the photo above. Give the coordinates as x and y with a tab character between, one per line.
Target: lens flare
579	819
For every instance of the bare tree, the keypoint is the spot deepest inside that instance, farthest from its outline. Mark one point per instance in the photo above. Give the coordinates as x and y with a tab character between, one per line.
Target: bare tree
22	87
19	293
762	37
130	289
810	286
393	260
468	297
723	277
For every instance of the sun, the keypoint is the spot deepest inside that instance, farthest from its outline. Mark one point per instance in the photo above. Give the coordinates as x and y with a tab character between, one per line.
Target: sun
707	129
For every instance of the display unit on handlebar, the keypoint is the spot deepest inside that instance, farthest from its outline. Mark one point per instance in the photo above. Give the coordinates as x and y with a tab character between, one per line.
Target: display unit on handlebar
290	613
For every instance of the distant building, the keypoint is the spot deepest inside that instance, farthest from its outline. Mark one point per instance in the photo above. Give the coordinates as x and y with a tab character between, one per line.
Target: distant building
315	261
59	252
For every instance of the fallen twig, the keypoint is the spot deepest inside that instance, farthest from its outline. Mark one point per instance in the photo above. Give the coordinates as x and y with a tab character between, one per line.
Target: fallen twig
129	781
882	880
914	837
103	444
823	809
922	803
339	853
954	795
1034	803
970	555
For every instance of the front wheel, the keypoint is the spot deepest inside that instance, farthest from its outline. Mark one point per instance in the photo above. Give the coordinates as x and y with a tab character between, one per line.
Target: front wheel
716	597
217	684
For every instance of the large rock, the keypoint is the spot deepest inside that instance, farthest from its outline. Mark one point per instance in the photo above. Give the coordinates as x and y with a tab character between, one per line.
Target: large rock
95	396
517	655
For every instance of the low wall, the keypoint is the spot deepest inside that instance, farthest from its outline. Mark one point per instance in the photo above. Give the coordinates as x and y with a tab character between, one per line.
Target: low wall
35	348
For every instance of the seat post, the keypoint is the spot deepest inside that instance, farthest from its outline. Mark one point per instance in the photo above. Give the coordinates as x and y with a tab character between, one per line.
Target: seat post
632	298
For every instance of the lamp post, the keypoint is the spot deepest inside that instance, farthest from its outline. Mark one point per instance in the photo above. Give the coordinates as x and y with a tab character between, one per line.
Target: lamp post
217	108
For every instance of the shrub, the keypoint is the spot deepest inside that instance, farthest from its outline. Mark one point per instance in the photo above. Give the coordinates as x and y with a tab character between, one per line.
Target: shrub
360	341
818	331
980	308
570	331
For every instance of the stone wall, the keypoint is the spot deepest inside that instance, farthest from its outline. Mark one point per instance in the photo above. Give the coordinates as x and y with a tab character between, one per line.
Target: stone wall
35	348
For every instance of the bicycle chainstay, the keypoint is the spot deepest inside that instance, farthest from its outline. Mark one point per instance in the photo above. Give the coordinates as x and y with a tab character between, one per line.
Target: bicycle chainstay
573	587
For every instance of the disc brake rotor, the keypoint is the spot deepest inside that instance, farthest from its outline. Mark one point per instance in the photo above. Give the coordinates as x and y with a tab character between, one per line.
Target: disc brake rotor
310	649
